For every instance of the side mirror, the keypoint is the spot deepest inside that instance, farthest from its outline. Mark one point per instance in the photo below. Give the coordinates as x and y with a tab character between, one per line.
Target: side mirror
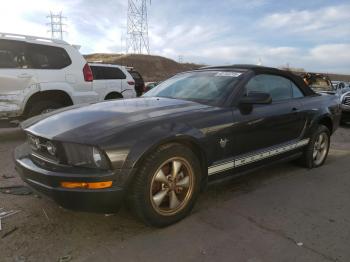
256	98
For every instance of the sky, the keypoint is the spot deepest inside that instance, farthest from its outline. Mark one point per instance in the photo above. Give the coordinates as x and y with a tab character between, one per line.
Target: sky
313	34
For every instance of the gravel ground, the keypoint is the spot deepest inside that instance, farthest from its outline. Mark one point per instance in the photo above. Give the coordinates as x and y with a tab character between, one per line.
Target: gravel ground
284	213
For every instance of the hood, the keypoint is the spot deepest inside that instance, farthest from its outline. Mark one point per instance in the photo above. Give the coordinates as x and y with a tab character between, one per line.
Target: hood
85	123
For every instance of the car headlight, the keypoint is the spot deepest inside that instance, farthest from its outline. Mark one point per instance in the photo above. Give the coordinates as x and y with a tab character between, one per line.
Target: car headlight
51	148
85	156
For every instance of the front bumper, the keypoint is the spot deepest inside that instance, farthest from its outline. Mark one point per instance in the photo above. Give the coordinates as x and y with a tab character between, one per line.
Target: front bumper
47	182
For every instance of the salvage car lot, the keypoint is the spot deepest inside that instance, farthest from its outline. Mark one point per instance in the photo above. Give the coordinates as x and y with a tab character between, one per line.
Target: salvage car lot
283	213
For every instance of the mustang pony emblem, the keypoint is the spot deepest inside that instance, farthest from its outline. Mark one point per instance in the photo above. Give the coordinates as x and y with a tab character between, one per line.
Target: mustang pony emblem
223	142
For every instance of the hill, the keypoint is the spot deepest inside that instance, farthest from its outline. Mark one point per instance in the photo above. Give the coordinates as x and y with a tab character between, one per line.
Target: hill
158	68
152	68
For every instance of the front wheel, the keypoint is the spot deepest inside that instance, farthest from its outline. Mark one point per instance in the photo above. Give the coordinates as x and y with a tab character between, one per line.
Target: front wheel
317	151
167	185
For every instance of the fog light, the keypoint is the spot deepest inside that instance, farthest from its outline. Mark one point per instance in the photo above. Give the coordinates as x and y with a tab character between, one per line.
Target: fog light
93	185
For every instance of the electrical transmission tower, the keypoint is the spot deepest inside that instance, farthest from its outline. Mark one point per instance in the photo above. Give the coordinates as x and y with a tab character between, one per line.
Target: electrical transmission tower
137	41
56	25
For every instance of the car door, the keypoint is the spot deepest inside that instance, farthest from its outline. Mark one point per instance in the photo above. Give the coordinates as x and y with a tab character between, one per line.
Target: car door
113	81
99	84
267	125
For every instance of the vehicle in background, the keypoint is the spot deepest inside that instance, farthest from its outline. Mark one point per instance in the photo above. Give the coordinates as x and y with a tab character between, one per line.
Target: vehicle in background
202	126
139	82
112	81
341	87
323	85
345	106
319	83
38	75
336	83
150	85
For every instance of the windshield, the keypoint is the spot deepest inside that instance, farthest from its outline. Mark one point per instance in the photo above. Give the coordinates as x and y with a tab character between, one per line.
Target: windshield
204	87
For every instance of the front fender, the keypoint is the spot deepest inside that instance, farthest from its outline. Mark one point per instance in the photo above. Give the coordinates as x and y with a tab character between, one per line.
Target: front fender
160	135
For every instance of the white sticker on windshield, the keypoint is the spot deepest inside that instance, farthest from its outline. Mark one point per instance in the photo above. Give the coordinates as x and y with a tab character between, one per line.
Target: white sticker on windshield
228	74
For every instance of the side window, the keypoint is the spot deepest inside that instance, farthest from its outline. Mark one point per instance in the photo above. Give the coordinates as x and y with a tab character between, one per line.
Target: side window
113	73
97	72
119	73
278	87
296	91
12	54
47	57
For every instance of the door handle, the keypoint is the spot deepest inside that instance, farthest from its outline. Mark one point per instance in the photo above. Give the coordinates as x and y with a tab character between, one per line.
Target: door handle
25	76
294	109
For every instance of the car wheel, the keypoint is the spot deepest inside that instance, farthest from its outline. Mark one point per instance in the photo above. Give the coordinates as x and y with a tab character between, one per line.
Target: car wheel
167	185
317	150
43	107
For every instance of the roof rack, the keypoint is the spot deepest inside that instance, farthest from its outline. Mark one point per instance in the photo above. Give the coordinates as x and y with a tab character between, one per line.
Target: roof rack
32	38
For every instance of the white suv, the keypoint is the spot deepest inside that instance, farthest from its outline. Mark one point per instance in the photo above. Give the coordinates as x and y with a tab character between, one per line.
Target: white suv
39	74
112	81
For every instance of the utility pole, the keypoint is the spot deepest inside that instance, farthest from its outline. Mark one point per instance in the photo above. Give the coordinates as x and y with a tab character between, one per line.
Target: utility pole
56	25
137	41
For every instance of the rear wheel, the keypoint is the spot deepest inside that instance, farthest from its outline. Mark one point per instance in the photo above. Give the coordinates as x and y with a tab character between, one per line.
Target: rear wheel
166	187
317	151
43	107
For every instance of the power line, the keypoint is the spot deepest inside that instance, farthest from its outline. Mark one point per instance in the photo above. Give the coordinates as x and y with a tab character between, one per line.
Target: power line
137	41
56	25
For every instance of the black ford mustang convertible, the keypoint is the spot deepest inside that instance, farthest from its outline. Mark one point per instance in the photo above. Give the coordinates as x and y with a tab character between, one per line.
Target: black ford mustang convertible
157	152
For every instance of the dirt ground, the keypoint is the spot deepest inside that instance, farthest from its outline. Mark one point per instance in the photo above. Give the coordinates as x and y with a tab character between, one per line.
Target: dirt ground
283	213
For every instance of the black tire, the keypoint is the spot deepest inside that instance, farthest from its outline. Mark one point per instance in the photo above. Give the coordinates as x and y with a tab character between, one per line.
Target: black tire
140	194
307	160
41	107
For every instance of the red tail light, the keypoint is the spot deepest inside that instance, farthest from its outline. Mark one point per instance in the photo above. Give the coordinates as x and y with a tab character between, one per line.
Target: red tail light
131	83
88	76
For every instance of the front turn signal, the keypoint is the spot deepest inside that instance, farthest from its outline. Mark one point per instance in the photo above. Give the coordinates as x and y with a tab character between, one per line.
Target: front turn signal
94	185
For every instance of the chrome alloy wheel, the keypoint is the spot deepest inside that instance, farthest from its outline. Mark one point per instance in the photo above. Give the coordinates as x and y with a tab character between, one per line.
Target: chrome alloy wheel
172	186
320	148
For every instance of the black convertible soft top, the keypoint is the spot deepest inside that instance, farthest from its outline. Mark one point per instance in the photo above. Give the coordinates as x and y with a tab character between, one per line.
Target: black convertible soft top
266	70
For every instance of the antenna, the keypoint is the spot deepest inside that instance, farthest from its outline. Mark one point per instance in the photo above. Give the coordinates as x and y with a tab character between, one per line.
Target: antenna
56	25
137	41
